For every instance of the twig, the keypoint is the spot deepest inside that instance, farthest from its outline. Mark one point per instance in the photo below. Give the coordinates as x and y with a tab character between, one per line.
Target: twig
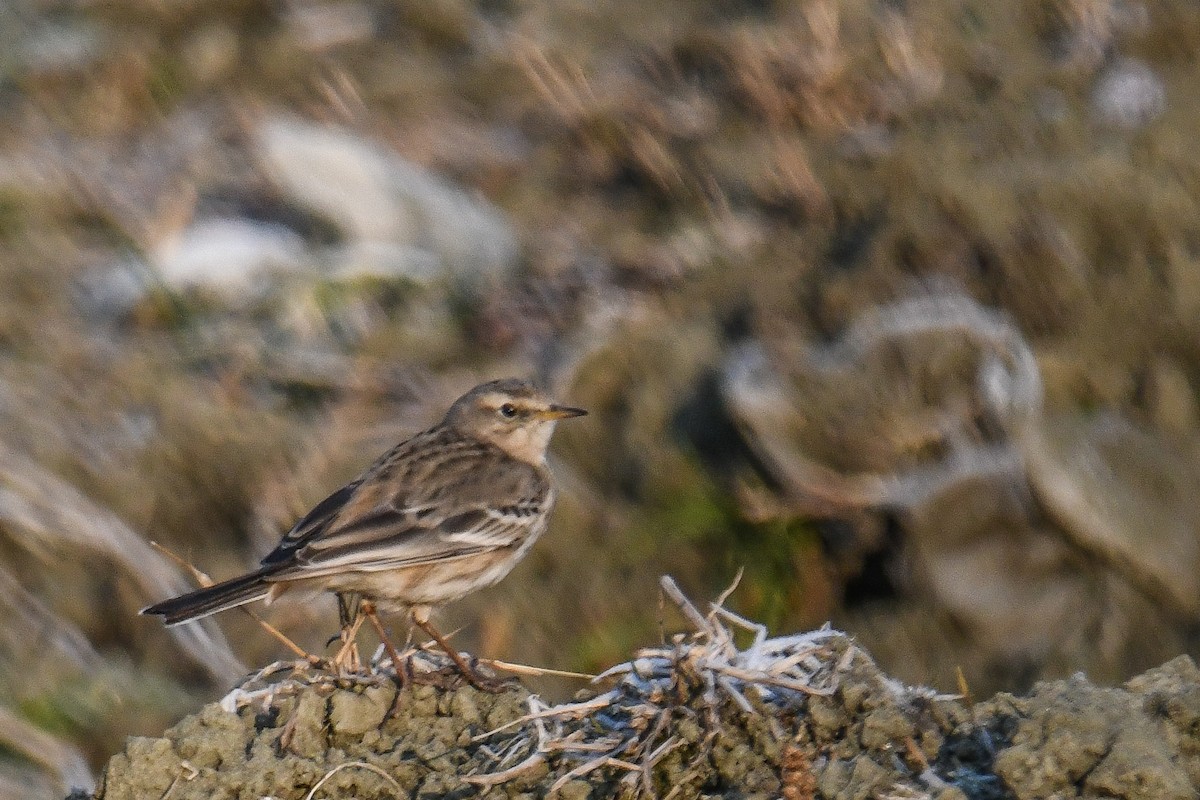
201	578
759	631
362	765
693	676
506	754
652	759
602	746
847	658
204	581
723	596
725	683
186	772
281	637
494	778
553	711
672	590
594	764
526	669
772	680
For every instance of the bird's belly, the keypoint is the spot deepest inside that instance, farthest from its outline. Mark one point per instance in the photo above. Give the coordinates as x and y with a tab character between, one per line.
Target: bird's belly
435	583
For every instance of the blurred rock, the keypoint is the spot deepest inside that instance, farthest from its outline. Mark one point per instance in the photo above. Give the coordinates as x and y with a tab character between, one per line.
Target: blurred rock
1052	106
109	292
1172	402
1125	495
1128	95
63	48
230	257
967	465
385	205
867	142
379	259
211	52
321	26
891	413
1183	271
982	557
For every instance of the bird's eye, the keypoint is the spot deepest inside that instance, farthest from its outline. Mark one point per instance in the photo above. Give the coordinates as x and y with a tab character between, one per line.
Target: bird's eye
508	410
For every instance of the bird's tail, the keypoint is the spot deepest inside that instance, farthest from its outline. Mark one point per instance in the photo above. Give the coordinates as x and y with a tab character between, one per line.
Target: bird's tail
218	597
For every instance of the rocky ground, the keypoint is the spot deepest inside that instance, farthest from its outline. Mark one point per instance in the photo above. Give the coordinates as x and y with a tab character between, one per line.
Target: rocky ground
801	716
871	737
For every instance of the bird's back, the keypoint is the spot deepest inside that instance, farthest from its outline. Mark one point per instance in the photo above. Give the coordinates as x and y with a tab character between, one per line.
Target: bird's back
438	483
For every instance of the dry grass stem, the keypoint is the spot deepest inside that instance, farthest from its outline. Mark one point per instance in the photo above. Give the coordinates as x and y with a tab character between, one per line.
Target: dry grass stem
700	677
525	669
203	580
54	516
53	754
496	778
358	764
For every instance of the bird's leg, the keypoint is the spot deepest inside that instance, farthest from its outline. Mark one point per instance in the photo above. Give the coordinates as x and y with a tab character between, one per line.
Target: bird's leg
481	682
347	658
399	664
349	605
350	616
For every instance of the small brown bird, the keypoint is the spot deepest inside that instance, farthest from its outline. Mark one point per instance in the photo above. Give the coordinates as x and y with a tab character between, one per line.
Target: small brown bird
449	511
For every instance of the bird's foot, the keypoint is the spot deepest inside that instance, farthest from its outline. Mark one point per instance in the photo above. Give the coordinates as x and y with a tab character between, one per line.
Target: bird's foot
490	684
469	672
450	678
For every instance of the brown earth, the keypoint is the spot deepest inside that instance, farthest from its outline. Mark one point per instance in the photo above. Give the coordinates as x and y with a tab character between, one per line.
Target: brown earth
309	735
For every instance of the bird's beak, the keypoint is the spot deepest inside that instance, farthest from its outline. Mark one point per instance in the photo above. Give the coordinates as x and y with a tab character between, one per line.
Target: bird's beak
561	412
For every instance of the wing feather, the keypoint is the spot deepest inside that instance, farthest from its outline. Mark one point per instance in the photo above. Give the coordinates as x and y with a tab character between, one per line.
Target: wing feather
410	508
310	523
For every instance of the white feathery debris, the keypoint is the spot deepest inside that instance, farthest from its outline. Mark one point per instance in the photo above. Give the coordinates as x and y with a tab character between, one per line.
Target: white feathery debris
630	723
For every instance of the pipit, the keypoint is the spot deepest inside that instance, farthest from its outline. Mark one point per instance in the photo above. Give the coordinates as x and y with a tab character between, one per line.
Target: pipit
449	511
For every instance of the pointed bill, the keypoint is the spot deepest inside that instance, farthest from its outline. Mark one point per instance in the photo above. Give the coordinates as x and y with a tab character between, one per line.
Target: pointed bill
562	412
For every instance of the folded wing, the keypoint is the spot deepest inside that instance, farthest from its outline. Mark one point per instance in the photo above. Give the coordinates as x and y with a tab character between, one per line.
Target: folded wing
403	520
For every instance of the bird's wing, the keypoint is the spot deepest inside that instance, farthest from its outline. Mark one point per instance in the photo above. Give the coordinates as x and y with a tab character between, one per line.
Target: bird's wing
390	541
311	524
416	511
347	502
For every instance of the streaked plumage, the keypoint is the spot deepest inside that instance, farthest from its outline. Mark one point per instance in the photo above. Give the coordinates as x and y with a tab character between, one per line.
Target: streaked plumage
449	511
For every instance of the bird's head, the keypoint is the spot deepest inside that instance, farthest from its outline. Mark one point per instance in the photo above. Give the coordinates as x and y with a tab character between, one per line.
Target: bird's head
511	414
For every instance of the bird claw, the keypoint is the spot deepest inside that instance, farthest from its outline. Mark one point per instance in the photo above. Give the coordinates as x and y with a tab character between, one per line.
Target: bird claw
485	683
450	678
493	685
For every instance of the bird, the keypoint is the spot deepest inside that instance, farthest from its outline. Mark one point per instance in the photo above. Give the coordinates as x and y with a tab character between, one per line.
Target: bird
442	514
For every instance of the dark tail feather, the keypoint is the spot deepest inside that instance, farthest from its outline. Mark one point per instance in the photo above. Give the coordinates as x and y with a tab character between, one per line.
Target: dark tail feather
218	597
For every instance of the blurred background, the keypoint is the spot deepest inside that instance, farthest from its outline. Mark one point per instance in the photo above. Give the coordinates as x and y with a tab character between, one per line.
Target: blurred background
893	304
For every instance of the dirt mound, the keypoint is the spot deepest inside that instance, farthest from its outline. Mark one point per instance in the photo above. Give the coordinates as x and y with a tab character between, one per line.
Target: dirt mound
801	716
